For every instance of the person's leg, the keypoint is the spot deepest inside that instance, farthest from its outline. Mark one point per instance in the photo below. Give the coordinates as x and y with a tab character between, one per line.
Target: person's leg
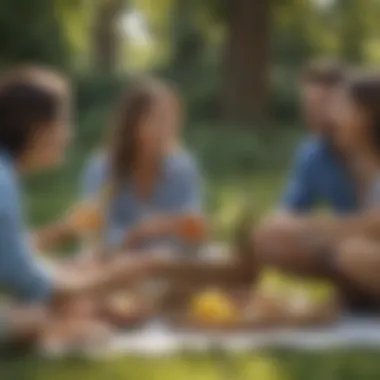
21	326
284	248
358	259
352	265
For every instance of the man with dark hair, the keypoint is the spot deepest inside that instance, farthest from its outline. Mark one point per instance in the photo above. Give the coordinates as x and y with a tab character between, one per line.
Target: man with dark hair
311	177
34	133
340	169
319	81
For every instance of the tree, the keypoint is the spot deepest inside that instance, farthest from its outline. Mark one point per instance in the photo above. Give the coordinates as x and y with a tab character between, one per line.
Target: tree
32	31
187	41
106	34
246	60
353	30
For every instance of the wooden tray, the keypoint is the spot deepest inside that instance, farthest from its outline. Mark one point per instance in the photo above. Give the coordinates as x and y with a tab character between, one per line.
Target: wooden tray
324	315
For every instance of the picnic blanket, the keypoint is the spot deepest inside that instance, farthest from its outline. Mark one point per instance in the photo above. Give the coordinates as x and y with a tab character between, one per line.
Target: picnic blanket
156	339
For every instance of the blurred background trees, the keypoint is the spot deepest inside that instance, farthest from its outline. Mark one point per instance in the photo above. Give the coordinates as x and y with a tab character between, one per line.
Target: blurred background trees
235	62
235	59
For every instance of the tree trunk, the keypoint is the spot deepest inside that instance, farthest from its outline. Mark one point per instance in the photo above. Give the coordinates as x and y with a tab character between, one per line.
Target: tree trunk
353	31
106	38
246	80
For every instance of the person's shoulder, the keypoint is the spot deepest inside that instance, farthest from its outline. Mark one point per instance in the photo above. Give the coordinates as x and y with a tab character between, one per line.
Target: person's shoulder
312	148
181	161
8	176
9	185
96	162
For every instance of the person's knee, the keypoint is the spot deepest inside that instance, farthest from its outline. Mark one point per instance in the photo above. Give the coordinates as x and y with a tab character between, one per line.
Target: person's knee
356	254
27	323
276	245
358	259
346	254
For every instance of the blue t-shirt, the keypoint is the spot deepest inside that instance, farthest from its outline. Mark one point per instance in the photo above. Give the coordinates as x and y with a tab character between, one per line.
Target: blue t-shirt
22	276
178	189
319	176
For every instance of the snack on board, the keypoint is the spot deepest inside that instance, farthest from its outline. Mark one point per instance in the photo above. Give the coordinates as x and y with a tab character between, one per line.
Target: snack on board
70	333
124	309
192	228
86	217
274	306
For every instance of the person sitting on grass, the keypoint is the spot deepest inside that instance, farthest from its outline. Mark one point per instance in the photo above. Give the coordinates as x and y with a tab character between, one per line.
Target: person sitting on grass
145	185
313	176
35	129
343	248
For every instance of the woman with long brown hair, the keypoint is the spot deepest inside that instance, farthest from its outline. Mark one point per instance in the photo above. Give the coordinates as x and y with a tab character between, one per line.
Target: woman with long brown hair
147	182
143	184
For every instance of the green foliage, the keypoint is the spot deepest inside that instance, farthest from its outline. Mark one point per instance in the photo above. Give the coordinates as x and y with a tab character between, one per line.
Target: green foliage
97	90
32	31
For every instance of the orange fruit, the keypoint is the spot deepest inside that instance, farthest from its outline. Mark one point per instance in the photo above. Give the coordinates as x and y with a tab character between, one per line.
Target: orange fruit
86	217
192	228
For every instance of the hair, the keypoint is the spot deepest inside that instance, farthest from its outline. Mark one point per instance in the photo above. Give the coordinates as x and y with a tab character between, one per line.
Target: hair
30	99
364	90
324	72
132	108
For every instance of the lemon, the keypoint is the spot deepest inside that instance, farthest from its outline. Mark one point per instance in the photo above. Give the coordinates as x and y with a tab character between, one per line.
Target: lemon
214	306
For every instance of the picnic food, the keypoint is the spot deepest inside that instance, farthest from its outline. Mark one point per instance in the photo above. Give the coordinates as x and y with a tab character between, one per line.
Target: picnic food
123	309
214	307
68	333
86	217
192	228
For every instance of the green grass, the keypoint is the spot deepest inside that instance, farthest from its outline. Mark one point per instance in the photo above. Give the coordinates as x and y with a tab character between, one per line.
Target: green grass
229	195
227	198
269	365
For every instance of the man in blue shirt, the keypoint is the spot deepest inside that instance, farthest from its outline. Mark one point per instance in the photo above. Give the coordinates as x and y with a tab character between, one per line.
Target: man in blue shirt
318	174
34	133
326	171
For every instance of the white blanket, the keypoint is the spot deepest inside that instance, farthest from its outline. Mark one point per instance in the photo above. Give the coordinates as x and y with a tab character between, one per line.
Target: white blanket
155	339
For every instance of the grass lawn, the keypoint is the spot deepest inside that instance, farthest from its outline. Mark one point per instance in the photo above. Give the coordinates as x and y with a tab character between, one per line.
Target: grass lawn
227	199
361	365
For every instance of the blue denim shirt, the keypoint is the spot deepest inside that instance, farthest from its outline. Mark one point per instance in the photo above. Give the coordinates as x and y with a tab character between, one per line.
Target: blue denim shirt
318	176
179	189
22	276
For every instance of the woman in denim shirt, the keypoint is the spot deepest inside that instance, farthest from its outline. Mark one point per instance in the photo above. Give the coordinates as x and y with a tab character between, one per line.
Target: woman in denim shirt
146	187
148	183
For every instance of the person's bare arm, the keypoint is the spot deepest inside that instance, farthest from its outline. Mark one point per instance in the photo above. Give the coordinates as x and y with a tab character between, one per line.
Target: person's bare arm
205	273
328	228
303	244
117	273
179	225
48	237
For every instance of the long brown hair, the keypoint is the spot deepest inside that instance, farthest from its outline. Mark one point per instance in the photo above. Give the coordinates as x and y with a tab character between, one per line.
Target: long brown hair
364	90
122	147
132	108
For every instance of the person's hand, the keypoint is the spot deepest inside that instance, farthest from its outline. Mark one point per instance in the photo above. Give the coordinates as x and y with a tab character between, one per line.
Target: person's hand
38	241
67	333
192	228
85	217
